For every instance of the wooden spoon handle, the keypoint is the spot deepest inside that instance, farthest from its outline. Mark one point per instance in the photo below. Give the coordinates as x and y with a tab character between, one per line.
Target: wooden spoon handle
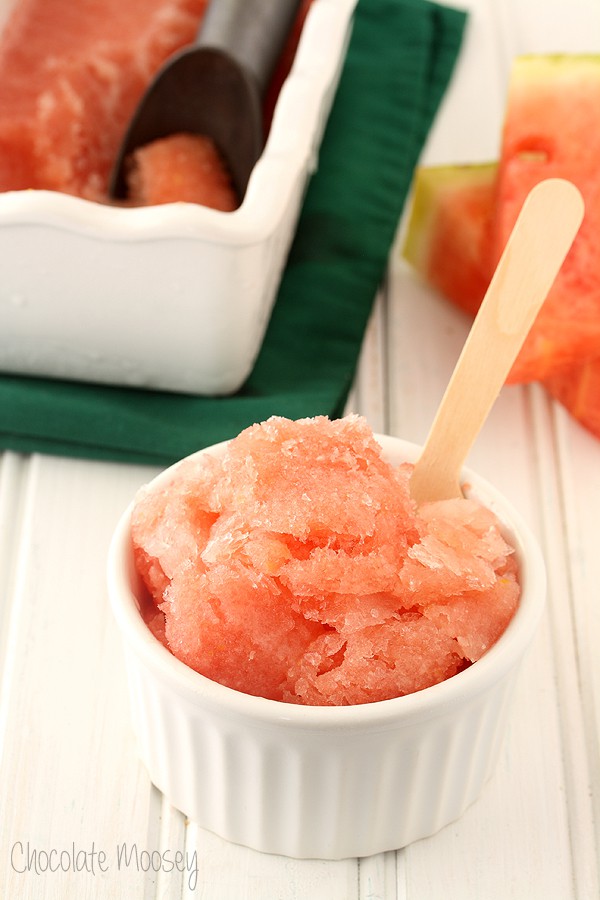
534	253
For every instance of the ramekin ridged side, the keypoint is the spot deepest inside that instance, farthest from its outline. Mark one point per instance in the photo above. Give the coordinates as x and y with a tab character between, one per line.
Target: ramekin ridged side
321	793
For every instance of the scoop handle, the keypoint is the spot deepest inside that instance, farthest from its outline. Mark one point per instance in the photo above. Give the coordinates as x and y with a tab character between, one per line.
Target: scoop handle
253	32
534	253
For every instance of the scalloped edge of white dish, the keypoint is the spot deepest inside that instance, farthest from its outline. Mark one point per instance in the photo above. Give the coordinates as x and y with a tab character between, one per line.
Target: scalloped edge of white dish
174	297
325	782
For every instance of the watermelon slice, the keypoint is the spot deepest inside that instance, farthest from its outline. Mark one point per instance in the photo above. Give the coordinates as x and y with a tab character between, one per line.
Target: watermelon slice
552	129
578	390
449	243
449	235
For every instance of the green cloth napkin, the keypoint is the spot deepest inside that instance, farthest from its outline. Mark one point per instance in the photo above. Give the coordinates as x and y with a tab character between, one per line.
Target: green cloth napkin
399	62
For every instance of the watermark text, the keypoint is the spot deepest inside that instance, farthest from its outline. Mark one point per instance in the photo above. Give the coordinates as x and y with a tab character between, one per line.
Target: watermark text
25	858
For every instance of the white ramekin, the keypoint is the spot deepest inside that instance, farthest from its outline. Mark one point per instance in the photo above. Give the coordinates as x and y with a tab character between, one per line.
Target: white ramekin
174	297
326	782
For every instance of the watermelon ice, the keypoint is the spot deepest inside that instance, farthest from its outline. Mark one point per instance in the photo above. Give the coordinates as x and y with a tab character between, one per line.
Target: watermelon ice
297	567
180	167
71	75
284	63
189	168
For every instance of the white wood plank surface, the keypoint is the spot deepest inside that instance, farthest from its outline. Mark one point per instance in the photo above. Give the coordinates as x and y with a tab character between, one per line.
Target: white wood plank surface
69	775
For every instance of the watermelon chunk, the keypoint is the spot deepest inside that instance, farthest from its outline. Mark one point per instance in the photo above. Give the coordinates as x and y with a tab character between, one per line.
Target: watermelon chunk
552	129
449	243
449	236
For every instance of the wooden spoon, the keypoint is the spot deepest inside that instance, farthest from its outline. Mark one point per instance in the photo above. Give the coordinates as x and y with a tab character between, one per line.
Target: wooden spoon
536	248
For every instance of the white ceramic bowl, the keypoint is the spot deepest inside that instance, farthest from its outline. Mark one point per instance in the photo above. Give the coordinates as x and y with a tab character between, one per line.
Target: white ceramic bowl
175	297
327	782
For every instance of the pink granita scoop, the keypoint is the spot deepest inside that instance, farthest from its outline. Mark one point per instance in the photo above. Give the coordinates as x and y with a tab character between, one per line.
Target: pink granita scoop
297	567
185	168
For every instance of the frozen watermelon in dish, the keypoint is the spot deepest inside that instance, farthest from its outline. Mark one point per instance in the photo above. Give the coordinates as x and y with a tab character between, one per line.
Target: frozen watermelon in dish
71	75
68	93
552	129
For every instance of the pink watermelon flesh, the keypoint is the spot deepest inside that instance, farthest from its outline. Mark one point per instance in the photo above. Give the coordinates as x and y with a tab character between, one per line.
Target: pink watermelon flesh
578	389
552	129
297	568
449	235
448	242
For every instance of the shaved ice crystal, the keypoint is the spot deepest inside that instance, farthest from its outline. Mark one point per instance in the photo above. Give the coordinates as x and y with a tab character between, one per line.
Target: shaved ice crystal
295	566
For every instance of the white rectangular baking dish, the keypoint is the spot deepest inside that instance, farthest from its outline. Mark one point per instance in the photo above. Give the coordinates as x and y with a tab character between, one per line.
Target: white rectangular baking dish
174	297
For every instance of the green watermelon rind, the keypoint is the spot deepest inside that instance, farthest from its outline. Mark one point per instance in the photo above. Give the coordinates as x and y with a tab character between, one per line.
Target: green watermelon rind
428	185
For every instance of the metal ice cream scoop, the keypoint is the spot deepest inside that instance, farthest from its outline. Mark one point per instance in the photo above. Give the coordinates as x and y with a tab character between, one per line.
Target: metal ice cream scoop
215	87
